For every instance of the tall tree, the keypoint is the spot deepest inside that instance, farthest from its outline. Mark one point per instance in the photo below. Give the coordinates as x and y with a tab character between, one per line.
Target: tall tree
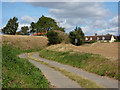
45	23
32	27
77	36
11	26
25	30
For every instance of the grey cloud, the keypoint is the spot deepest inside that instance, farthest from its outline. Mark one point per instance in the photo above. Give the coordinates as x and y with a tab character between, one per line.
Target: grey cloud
91	14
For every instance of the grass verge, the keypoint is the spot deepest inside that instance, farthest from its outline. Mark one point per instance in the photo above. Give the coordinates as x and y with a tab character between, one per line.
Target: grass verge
20	73
83	82
90	62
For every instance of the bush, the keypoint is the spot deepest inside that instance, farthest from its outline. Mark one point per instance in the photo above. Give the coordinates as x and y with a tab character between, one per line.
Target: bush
53	37
76	36
90	42
63	36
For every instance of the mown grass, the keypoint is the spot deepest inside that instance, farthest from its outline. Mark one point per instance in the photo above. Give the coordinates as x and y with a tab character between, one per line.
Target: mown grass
83	82
90	62
20	73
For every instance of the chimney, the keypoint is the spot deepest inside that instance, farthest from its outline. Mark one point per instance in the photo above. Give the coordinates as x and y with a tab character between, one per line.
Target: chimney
95	34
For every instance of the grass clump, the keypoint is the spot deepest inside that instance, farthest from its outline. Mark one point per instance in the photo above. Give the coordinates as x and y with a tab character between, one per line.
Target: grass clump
90	62
20	73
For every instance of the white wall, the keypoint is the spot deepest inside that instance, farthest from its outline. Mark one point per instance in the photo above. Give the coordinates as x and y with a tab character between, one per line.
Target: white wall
112	39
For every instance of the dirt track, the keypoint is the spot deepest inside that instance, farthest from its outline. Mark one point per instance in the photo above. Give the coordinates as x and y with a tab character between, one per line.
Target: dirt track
108	50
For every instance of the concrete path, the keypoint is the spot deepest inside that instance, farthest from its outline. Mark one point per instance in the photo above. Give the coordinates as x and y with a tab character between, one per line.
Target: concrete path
103	81
54	77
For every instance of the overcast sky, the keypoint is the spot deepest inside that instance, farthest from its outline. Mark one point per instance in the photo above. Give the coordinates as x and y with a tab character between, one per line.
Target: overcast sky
92	17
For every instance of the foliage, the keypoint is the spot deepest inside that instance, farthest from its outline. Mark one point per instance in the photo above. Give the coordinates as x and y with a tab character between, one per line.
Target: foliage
89	62
25	30
32	27
117	39
60	29
53	37
11	27
63	37
43	24
20	73
90	42
78	35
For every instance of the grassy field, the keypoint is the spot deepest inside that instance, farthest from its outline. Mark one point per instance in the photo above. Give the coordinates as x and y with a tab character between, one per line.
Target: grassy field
20	73
107	50
25	42
90	62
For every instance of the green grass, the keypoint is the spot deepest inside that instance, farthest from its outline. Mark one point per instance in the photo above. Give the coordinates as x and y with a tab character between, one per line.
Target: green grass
20	73
83	82
90	62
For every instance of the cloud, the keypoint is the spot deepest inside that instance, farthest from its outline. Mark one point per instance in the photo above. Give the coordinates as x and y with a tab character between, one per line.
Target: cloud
28	19
22	25
104	27
113	31
25	21
91	10
78	14
114	21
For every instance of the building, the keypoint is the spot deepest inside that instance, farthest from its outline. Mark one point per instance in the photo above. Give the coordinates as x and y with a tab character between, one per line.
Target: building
40	33
100	38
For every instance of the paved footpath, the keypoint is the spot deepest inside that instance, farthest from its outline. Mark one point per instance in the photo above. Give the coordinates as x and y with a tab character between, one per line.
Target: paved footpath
103	81
56	78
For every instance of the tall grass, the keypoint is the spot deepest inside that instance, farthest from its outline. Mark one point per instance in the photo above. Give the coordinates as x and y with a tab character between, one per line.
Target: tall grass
20	73
90	62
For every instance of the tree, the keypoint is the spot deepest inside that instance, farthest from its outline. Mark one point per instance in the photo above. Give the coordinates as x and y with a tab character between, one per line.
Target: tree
61	29
43	24
53	37
32	27
77	36
25	30
11	27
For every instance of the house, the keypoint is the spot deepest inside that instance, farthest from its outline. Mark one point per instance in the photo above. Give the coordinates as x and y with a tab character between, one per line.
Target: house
40	33
100	38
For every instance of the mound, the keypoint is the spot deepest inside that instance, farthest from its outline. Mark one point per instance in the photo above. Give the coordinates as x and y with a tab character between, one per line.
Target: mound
63	36
25	42
108	50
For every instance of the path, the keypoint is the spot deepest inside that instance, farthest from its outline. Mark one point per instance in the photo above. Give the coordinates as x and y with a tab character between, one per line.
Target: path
103	81
54	77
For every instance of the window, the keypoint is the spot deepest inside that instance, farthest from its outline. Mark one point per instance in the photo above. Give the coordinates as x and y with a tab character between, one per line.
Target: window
90	38
86	38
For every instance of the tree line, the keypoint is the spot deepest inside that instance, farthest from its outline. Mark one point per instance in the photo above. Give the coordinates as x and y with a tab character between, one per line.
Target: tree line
43	24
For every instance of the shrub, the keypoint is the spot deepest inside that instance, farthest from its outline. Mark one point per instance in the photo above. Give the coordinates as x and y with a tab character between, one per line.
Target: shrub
53	37
63	36
90	42
77	36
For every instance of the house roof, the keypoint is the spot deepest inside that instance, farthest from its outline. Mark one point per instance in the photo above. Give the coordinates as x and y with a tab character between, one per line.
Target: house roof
39	33
107	37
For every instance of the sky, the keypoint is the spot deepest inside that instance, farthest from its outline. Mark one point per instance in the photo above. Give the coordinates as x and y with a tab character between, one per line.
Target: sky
92	17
